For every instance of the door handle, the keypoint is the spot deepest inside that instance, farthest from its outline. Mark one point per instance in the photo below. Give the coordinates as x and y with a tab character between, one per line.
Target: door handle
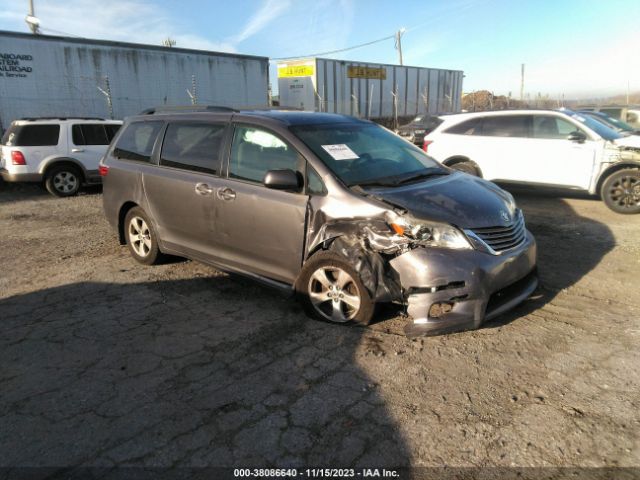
203	189
226	194
77	150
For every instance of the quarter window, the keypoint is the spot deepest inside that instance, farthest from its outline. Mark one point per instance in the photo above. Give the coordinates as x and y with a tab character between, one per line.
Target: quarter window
468	127
136	142
255	152
35	136
193	147
315	186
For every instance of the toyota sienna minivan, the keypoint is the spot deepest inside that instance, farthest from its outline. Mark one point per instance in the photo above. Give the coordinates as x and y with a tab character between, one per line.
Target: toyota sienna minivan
341	211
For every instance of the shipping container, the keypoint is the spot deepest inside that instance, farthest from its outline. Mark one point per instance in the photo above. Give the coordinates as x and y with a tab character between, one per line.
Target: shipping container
368	90
43	75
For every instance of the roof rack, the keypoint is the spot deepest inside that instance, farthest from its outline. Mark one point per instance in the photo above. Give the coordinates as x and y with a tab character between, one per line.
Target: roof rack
186	108
30	119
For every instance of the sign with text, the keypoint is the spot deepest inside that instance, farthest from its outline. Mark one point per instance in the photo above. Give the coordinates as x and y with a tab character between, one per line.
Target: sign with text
367	72
15	65
285	71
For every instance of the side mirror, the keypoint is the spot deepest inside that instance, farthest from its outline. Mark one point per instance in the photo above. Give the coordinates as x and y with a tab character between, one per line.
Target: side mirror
577	137
283	180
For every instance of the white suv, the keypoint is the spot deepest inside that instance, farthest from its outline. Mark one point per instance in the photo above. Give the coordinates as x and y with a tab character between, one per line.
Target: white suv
545	147
62	152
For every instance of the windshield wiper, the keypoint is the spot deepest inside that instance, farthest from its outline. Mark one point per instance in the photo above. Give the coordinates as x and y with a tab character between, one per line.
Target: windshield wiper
420	176
372	183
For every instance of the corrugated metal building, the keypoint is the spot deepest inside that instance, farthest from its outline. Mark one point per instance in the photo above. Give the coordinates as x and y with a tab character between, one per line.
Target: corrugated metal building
368	90
43	75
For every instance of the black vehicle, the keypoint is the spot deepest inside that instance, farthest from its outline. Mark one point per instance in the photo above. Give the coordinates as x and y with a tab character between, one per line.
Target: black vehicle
618	125
420	126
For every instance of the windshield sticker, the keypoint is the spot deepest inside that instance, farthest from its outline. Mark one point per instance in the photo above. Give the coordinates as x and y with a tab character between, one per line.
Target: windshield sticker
340	152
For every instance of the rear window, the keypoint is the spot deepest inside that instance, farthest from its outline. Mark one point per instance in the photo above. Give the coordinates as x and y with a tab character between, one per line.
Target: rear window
136	142
468	127
93	133
32	135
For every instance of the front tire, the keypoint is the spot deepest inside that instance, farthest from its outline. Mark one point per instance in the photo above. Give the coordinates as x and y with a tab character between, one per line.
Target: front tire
63	181
621	191
142	240
331	290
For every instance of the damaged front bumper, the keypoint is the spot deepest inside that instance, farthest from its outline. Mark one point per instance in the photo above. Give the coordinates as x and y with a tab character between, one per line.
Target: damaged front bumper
451	290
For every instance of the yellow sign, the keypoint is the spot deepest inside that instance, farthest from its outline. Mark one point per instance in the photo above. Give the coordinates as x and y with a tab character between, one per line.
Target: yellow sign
367	72
285	71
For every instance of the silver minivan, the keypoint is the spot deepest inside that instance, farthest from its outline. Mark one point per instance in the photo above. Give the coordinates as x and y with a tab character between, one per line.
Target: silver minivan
341	211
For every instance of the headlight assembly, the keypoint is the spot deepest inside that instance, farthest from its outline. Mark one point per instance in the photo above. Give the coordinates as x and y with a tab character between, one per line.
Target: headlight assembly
432	234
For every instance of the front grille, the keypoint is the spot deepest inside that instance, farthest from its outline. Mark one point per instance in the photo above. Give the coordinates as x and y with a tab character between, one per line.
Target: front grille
503	238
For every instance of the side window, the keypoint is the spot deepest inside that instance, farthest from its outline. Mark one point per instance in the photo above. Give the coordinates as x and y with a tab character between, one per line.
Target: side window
192	146
112	129
136	142
37	136
468	127
632	117
315	186
256	151
89	134
546	126
506	126
612	112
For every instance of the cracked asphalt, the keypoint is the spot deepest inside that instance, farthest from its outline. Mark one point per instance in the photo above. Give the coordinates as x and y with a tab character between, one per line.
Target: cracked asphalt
105	362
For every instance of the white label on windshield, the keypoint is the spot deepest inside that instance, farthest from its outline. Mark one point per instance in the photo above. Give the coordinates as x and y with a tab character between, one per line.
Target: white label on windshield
340	152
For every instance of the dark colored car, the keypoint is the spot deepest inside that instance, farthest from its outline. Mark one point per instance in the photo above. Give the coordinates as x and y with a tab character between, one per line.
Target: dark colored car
339	210
420	126
618	125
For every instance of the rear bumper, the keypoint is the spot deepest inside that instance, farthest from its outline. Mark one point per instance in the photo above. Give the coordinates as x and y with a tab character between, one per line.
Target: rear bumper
477	286
19	177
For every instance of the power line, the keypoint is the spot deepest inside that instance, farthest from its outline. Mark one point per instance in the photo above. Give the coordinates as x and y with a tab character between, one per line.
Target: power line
338	51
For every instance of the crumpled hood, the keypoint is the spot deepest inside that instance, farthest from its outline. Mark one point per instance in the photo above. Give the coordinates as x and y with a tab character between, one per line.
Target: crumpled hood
632	141
458	199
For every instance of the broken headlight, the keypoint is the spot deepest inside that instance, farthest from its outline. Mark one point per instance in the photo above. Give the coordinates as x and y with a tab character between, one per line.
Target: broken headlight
432	234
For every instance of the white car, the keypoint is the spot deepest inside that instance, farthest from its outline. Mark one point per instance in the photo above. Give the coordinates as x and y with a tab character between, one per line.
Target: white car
545	147
64	153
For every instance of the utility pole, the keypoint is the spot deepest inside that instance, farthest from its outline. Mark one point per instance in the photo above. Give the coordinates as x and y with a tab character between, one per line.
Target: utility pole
399	34
522	83
32	20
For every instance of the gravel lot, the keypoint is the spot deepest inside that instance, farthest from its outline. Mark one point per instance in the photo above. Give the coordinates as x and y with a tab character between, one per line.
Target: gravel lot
106	362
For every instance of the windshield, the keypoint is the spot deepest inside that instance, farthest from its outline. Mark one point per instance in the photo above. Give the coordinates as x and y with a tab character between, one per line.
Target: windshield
367	154
598	127
619	124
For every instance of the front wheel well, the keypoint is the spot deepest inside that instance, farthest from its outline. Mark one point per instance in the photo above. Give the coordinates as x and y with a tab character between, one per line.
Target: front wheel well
121	216
610	171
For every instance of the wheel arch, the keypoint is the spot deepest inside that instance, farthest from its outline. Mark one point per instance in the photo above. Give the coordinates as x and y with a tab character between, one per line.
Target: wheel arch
47	165
122	213
610	171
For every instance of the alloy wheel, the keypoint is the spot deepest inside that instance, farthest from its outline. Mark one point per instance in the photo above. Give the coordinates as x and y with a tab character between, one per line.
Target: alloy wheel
65	182
625	191
140	236
334	294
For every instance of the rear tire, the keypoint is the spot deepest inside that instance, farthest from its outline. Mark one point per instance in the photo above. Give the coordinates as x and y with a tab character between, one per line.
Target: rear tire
63	180
621	191
466	167
331	290
141	238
